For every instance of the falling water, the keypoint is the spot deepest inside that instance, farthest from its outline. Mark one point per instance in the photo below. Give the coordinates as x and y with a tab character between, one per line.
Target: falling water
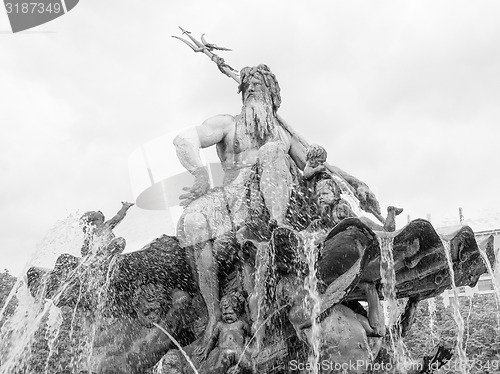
172	339
10	298
495	278
104	275
489	268
431	305
18	332
247	345
454	301
264	263
468	322
312	303
54	322
349	195
391	310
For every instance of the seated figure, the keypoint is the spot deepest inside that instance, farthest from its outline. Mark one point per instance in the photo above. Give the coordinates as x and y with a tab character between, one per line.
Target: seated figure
314	170
99	237
226	351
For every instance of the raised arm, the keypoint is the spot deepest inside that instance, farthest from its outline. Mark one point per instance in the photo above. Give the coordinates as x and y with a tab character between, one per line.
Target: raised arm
187	145
113	222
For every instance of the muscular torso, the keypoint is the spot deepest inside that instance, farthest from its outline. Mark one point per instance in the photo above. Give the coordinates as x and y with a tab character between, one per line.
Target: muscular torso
238	150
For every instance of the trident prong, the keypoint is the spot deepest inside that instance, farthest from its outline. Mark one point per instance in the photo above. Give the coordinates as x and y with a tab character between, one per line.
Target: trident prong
211	47
184	31
207	49
230	72
193	47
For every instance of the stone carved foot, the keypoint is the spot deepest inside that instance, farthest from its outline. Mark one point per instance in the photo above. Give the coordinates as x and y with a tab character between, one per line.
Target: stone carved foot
390	222
397	211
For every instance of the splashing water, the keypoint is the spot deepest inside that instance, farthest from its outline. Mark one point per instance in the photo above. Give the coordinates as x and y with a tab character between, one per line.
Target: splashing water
455	304
312	303
35	320
65	237
66	334
391	309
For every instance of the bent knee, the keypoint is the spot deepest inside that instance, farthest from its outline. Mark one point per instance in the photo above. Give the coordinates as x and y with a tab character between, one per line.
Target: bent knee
196	227
271	151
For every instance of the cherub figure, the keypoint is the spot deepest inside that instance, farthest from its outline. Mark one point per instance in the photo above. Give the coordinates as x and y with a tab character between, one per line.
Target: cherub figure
315	169
99	233
230	335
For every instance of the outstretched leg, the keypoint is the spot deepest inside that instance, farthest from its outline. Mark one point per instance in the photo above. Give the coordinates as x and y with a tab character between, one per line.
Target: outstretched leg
390	222
196	229
275	180
375	313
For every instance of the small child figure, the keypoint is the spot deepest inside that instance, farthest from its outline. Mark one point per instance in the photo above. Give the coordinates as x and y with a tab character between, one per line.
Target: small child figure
99	234
231	334
315	171
315	168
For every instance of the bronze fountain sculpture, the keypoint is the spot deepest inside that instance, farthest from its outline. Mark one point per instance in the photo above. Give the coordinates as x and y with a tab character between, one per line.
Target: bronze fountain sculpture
267	271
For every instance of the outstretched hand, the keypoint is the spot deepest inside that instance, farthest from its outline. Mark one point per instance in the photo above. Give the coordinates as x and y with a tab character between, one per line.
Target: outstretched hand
127	204
200	187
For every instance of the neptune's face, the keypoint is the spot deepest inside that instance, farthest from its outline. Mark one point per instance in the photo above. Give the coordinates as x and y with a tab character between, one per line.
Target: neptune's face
255	89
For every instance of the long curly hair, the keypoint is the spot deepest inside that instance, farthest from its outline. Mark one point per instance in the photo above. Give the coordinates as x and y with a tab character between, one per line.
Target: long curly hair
263	73
315	151
329	184
235	300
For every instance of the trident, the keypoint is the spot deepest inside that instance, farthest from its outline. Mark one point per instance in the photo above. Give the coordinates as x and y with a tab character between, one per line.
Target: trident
208	49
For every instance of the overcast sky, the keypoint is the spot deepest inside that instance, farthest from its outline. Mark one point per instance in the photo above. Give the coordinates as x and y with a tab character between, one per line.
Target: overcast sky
403	94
